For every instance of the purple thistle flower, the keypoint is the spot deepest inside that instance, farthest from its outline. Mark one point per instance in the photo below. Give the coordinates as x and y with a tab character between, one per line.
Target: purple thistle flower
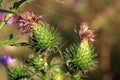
26	22
1	15
6	60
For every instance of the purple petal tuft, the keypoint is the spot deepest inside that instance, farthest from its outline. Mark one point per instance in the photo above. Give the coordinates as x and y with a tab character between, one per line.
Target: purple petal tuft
6	60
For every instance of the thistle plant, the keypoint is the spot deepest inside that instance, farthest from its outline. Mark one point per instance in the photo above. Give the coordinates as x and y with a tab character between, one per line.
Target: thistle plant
45	41
80	56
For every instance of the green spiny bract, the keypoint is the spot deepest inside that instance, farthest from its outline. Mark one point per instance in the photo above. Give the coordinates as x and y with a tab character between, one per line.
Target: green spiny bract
45	38
80	57
17	72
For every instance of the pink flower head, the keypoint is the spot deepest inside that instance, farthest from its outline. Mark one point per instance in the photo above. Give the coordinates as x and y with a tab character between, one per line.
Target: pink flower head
27	20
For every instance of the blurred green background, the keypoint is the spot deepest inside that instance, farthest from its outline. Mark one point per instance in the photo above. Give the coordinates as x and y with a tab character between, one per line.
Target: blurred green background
103	16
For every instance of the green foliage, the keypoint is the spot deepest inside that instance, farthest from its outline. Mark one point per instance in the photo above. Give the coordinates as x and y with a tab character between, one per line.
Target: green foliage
45	38
18	72
80	57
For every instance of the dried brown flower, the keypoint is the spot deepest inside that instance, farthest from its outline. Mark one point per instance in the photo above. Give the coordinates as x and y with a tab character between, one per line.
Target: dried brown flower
85	33
27	20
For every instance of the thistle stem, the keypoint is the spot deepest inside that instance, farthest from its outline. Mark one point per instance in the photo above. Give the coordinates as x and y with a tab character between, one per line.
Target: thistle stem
6	18
2	24
33	75
46	67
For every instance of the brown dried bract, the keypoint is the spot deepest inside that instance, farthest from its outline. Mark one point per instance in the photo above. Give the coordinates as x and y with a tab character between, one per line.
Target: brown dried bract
85	33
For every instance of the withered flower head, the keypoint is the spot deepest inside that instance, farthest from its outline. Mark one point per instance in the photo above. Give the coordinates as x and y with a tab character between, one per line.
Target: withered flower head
85	33
27	20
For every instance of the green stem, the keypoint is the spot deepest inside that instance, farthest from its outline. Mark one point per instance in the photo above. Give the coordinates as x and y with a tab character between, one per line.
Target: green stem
6	18
2	24
33	75
46	66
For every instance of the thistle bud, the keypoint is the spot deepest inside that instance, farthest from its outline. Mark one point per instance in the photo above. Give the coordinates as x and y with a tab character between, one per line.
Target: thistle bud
36	61
15	71
85	56
80	57
44	38
18	72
